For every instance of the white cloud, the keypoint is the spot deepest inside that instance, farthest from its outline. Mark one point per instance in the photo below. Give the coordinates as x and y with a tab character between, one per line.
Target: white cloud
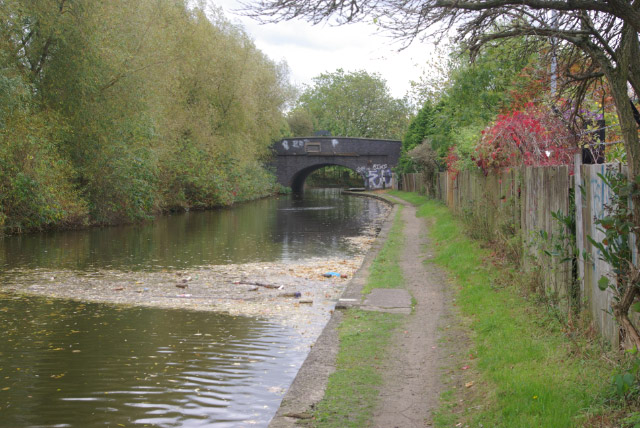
310	50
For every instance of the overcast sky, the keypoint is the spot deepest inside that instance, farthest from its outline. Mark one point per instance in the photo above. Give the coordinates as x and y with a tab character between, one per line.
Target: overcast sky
310	50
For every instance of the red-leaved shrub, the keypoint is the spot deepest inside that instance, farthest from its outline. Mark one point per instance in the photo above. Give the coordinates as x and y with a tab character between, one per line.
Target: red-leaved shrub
533	136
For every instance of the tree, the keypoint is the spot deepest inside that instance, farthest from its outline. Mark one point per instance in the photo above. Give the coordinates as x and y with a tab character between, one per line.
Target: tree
592	38
300	123
458	109
421	126
354	104
111	111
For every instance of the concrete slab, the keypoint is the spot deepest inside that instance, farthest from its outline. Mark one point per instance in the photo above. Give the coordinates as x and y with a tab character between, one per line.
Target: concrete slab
395	300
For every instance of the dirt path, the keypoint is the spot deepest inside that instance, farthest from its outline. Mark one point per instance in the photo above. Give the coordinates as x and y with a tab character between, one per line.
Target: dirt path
412	376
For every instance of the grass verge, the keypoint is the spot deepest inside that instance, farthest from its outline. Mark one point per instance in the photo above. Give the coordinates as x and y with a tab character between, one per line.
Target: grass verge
353	389
385	270
524	370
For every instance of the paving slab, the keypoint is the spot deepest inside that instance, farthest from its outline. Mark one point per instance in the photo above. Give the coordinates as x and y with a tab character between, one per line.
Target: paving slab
394	300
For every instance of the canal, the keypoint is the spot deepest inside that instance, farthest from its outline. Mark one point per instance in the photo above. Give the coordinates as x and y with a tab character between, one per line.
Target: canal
72	363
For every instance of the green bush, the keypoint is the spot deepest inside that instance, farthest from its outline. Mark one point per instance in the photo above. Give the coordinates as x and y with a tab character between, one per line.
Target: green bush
36	189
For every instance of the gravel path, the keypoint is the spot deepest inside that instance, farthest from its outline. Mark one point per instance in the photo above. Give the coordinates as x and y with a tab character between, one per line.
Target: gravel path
412	374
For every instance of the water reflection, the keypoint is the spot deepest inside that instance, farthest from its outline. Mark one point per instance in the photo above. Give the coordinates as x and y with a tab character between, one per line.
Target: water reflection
267	230
67	364
315	225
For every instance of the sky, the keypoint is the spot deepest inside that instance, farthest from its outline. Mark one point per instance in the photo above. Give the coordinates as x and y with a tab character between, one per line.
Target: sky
311	50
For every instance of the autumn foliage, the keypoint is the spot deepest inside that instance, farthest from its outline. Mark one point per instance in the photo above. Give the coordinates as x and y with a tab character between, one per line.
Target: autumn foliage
453	161
533	136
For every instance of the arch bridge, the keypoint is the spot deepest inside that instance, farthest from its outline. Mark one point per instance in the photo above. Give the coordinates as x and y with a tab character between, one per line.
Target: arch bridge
296	158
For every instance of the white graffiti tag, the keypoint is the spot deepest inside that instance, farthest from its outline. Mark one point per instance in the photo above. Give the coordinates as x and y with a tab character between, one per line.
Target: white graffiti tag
379	178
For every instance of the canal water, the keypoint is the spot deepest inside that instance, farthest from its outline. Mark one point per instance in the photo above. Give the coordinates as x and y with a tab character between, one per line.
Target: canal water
74	364
272	229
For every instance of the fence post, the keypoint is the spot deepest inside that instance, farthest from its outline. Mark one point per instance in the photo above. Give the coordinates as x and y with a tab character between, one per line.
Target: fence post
577	175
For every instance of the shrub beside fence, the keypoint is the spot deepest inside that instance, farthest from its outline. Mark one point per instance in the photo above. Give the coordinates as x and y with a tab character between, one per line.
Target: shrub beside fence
516	207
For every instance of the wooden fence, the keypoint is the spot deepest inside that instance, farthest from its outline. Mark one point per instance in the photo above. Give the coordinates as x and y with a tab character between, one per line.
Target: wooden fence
410	183
517	207
417	183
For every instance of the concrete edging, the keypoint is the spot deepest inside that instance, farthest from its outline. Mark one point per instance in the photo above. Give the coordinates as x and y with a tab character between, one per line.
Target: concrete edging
311	381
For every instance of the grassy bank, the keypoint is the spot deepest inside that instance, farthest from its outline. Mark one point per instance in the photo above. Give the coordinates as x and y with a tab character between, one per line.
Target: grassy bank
353	388
520	370
385	270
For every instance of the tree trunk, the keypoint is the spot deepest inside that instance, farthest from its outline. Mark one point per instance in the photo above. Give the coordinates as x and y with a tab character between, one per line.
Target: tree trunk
621	313
618	77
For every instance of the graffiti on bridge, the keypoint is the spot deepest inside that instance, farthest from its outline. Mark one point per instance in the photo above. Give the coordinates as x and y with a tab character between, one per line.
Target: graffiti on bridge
379	176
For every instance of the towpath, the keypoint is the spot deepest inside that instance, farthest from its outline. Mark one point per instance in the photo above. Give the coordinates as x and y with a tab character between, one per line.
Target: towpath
412	372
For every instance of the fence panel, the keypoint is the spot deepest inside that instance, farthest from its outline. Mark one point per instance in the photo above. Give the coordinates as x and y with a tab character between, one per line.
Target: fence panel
413	182
442	186
596	195
544	191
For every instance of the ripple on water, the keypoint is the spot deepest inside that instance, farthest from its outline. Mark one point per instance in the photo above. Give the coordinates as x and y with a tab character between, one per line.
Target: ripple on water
99	365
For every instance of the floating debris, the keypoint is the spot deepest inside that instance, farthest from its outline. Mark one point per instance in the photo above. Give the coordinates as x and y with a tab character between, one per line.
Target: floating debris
311	286
331	274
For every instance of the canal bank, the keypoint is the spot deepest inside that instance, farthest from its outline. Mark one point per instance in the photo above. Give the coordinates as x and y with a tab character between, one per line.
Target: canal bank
408	371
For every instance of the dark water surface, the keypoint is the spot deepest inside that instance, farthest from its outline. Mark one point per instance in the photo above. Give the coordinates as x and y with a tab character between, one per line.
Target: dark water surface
68	364
271	229
71	364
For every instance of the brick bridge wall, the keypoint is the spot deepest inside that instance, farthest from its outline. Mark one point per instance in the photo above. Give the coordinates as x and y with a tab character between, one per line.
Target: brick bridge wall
296	158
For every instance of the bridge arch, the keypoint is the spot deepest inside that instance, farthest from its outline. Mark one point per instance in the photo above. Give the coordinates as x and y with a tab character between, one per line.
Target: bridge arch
298	179
294	159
